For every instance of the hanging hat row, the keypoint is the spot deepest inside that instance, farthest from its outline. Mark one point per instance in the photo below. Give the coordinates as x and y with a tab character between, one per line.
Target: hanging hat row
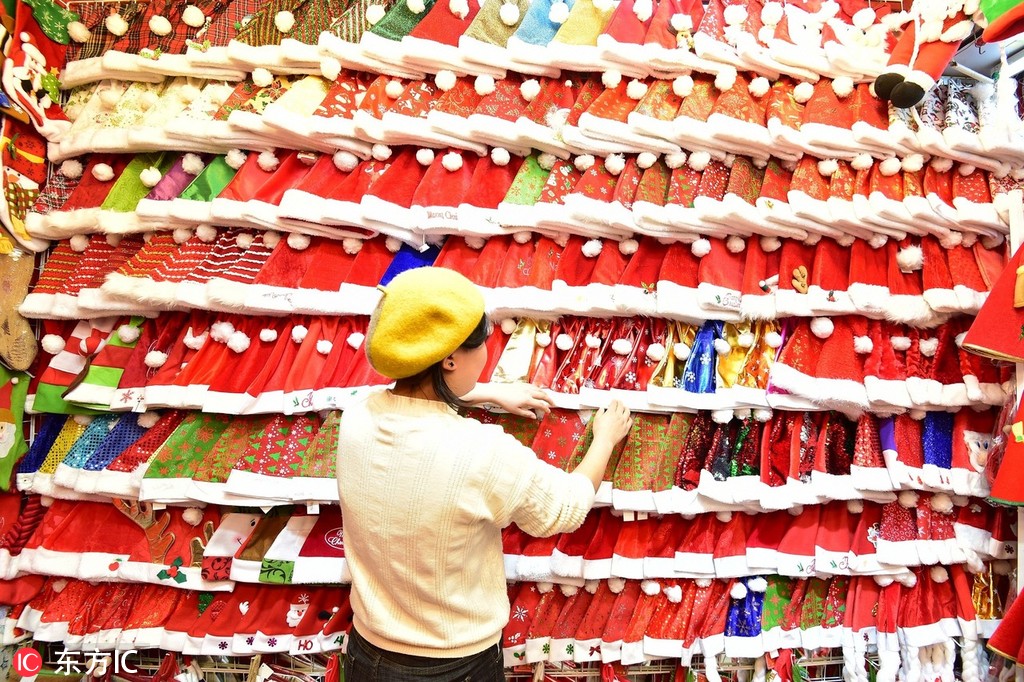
669	464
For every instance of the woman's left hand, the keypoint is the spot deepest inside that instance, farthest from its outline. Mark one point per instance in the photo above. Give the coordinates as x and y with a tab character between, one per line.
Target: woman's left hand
524	400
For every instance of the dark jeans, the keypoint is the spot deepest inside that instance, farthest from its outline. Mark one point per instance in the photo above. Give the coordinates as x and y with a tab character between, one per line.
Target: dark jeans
366	663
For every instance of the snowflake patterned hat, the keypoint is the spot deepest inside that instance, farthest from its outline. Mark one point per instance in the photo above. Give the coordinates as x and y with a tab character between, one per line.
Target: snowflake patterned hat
525	598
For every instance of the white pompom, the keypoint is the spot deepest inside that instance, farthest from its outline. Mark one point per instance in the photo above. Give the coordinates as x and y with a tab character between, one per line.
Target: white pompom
268	161
206	233
735	15
913	162
262	77
238	342
352	245
160	25
745	340
773	339
725	79
725	516
508	326
355	339
484	84
271	239
221	331
150	177
938	574
155	359
128	333
380	152
116	24
445	80
681	22
759	87
475	242
890	166
103	172
822	327
643	9
530	89
907	499
193	16
584	162
196	342
546	161
738	591
646	159
941	502
676	160
655	352
345	161
452	161
235	158
425	156
855	506
650	587
627	247
842	86
193	516
700	247
299	333
71	169
616	585
375	13
592	341
615	163
636	89
910	258
324	347
682	86
148	420
928	347
863	345
330	68
862	161
864	18
268	335
611	78
621	347
941	164
244	240
52	343
509	14
79	243
148	99
558	13
674	593
699	161
192	164
884	580
416	6
563	342
79	32
500	157
900	343
735	244
297	241
460	8
284	21
393	244
828	167
803	92
772	13
592	248
877	241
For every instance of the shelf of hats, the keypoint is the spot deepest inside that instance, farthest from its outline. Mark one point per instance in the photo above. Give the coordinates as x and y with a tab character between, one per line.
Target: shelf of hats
777	231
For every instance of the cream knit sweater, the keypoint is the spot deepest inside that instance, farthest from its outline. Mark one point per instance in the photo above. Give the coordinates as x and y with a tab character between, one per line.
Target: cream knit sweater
424	496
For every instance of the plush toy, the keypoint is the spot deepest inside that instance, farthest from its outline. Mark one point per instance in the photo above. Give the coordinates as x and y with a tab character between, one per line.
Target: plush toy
933	37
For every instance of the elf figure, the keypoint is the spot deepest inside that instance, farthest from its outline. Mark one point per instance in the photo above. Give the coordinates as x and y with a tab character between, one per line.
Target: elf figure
925	48
932	39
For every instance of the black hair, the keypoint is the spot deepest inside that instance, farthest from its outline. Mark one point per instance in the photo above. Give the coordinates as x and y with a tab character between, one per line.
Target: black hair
435	373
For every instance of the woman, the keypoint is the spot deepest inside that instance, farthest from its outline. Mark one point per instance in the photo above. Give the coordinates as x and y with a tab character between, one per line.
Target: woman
425	492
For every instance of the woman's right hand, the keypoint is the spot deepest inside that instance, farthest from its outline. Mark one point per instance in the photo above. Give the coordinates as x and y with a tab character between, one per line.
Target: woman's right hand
612	423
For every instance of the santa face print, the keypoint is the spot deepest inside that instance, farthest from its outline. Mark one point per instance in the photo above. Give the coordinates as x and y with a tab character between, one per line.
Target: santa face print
7	437
978	447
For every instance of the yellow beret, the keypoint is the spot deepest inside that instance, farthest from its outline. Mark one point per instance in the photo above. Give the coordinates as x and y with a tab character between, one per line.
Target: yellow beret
423	317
